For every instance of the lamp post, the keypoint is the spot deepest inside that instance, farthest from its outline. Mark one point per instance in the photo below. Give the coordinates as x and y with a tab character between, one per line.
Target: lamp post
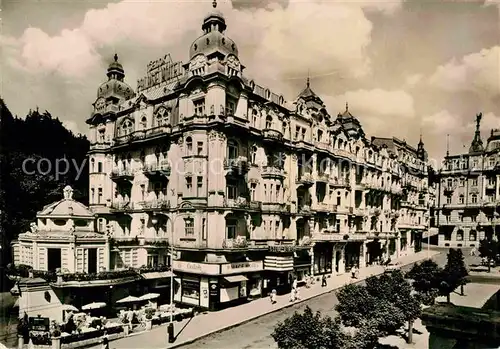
426	217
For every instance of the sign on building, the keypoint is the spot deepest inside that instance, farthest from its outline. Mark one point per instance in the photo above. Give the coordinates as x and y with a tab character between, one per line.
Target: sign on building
160	71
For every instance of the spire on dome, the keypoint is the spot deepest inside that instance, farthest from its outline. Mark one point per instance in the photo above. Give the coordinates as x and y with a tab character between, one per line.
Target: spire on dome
116	57
115	69
214	4
448	144
347	107
477	143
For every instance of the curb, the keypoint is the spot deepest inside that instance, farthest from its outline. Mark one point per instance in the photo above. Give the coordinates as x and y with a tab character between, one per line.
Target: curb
288	305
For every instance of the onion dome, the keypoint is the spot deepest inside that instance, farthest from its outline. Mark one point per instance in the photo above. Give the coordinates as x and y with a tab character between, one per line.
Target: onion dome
213	40
115	86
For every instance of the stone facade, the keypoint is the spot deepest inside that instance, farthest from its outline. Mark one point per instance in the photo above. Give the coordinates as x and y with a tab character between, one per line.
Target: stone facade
469	193
247	187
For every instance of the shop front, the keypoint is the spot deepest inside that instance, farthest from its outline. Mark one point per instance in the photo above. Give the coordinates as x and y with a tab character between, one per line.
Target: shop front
302	265
214	286
323	255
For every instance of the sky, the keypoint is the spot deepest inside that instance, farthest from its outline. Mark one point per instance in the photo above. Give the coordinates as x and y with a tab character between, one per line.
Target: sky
405	67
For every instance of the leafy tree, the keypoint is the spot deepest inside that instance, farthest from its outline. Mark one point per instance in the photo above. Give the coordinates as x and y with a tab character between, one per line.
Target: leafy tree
386	302
309	331
426	278
24	192
456	266
354	300
488	248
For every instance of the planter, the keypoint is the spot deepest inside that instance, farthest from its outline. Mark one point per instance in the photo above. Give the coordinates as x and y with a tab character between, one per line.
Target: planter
126	329
149	324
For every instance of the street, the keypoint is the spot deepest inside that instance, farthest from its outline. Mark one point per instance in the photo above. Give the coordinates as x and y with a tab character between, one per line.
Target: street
257	333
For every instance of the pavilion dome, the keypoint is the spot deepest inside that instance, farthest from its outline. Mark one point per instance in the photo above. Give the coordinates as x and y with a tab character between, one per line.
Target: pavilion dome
66	208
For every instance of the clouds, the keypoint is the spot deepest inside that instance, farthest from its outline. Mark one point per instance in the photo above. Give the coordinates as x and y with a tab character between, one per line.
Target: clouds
477	72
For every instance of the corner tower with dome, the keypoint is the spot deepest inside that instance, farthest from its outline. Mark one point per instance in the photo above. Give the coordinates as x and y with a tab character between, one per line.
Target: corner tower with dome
248	188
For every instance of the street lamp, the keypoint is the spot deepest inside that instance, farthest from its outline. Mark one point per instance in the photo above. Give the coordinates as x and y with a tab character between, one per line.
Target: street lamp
426	217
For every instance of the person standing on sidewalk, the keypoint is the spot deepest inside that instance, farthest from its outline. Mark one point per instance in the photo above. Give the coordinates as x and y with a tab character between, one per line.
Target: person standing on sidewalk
294	284
323	281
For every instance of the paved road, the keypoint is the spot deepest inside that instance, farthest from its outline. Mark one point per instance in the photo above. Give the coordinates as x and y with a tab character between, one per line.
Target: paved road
257	333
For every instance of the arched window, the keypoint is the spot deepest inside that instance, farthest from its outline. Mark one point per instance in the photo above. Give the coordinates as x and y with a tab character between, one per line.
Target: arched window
269	122
232	149
474	198
284	127
127	127
92	165
189	145
461	199
254	154
144	123
341	144
472	235
162	117
460	235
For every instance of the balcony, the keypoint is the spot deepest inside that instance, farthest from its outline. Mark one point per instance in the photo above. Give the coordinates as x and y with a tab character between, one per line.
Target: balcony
343	154
122	175
323	146
275	207
491	186
122	206
155	205
305	179
448	190
340	182
237	165
273	172
272	135
324	207
304	210
323	177
157	170
239	243
241	203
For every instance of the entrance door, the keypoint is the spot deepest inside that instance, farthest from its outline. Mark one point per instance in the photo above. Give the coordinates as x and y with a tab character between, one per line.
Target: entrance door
92	260
53	258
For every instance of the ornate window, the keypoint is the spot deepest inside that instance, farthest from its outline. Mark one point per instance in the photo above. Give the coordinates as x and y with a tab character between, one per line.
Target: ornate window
232	149
144	123
472	235
461	199
189	226
162	117
460	235
189	145
474	198
269	122
127	127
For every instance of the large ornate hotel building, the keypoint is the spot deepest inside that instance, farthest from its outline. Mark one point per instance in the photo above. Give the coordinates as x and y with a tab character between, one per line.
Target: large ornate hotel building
469	193
249	189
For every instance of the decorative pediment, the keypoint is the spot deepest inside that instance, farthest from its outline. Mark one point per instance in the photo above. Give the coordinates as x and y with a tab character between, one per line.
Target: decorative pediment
186	205
233	62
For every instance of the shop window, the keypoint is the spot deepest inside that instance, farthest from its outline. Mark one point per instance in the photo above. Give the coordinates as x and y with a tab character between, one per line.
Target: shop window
191	289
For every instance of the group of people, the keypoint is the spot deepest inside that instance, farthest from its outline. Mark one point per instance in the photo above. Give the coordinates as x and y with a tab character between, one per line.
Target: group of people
294	294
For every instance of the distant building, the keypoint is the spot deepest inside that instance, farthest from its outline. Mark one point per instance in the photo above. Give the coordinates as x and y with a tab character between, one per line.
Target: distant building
469	193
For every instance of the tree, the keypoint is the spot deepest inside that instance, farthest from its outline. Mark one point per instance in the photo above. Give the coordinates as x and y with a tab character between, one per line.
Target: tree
488	248
386	302
309	331
24	191
456	266
426	278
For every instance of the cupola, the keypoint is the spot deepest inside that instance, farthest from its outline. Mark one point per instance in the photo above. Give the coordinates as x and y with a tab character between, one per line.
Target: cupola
115	88
213	41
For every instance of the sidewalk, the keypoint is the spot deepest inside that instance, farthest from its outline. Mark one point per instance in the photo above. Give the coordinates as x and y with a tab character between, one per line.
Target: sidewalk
190	330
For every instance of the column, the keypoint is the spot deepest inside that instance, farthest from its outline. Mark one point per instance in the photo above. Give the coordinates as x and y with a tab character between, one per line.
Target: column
362	253
398	245
311	253
342	260
334	259
107	255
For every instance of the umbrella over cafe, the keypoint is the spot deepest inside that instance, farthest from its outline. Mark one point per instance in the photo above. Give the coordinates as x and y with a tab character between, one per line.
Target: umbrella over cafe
69	307
128	299
94	305
149	296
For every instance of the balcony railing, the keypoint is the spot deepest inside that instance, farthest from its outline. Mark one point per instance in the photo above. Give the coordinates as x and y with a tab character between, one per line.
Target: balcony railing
275	207
239	242
236	203
155	204
324	207
143	134
271	171
272	135
305	179
340	181
237	164
157	169
122	206
122	174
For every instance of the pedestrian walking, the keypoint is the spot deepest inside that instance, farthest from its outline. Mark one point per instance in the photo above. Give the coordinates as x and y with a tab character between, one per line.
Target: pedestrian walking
354	272
297	294
294	285
273	296
323	281
292	295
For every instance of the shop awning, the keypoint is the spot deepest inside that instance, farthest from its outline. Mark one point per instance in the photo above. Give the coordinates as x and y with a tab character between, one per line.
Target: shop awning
157	275
235	278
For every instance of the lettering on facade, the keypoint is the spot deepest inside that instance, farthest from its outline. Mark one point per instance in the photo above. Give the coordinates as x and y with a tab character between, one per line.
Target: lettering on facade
242	267
162	70
212	269
282	248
